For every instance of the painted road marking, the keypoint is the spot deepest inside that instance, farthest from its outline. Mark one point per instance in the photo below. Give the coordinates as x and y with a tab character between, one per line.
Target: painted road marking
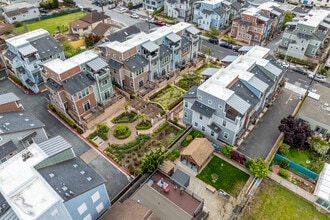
289	99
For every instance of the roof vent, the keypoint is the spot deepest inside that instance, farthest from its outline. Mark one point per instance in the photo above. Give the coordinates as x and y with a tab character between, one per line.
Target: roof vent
52	175
82	172
75	165
32	125
67	194
1	116
20	114
72	193
89	178
65	188
26	119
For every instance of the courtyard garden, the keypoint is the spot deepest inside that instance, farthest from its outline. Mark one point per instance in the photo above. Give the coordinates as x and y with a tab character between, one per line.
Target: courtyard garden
130	155
272	201
222	175
168	97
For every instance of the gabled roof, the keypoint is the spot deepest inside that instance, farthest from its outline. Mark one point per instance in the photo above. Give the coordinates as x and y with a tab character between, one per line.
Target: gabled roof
11	122
8	98
164	51
94	17
202	109
16	12
244	93
122	34
47	46
71	178
192	93
199	150
7	148
238	104
220	11
77	83
54	146
101	29
135	62
79	24
257	71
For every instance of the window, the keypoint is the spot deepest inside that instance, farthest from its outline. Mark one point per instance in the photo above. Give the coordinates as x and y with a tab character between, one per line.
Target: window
82	208
74	108
220	106
256	37
99	207
139	72
225	135
107	94
87	106
224	123
186	104
200	116
212	133
210	102
200	97
95	196
83	93
30	141
196	124
185	50
165	60
105	82
203	128
186	114
131	84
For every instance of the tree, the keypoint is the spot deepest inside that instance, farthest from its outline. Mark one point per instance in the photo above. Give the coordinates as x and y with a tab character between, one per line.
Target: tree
284	149
91	39
69	50
296	132
130	5
226	150
287	18
152	160
322	70
49	4
319	145
258	167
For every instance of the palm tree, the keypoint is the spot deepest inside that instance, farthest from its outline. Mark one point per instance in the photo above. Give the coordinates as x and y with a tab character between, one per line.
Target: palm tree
126	108
143	117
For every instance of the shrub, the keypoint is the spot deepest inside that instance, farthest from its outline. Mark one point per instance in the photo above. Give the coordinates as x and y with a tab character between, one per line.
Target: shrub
189	138
161	127
284	149
226	150
51	107
121	132
284	164
79	130
143	125
257	167
176	152
67	120
283	173
238	157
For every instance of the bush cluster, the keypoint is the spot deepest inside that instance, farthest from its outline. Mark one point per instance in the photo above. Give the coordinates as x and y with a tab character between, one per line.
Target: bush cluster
161	127
67	120
125	117
143	125
192	135
227	150
173	155
283	173
101	131
121	132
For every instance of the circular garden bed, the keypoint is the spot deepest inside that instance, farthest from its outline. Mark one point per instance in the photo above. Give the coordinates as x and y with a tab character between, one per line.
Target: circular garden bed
121	132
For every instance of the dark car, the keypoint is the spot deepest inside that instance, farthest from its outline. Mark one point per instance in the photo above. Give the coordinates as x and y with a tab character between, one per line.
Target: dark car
236	48
213	40
159	23
300	70
226	45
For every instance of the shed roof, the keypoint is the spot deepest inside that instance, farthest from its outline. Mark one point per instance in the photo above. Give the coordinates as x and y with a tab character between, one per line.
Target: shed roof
181	177
173	37
8	97
54	145
97	64
199	150
238	104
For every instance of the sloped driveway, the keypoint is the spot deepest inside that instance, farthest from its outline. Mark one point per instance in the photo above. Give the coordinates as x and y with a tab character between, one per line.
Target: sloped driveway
262	138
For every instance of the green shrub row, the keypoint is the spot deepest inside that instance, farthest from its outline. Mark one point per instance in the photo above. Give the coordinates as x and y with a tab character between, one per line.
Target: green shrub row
121	132
140	139
161	127
143	125
131	118
193	134
67	120
173	155
114	158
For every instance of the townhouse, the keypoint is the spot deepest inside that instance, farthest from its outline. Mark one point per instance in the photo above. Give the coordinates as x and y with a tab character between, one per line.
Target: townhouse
147	57
256	25
79	85
215	14
26	52
152	5
181	10
305	35
224	105
47	181
18	12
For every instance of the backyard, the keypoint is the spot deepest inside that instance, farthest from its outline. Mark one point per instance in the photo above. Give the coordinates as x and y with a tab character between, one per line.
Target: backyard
52	24
307	159
168	97
222	175
271	201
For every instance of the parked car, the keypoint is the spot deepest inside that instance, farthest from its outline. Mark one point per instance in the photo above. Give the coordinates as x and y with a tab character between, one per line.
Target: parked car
112	6
300	70
123	10
150	20
88	9
43	10
317	77
236	48
226	45
159	23
213	40
134	15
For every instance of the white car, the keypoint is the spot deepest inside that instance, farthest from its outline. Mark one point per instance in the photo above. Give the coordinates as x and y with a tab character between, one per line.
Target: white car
123	10
317	77
150	20
134	15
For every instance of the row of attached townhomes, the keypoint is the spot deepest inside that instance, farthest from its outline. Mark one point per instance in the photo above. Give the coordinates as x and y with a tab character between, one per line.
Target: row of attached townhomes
256	25
146	57
47	181
305	35
224	105
181	10
26	52
215	14
78	85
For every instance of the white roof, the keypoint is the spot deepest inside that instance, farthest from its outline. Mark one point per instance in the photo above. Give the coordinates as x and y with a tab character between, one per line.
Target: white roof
257	52
253	11
314	17
60	66
22	39
268	5
212	2
322	189
20	183
83	57
18	5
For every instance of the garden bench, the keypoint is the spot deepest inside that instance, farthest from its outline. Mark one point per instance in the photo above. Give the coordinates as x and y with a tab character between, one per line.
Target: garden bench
210	188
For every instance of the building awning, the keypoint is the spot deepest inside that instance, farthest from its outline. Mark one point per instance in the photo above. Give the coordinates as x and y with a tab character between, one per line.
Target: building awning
27	136
173	37
193	30
229	59
97	64
28	49
150	46
238	104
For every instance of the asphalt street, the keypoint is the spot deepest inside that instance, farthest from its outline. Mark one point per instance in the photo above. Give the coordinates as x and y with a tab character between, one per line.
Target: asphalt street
115	179
217	51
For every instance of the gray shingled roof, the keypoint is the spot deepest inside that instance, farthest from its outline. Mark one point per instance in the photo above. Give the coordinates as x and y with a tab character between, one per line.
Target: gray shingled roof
208	12
97	64
237	6
10	55
53	85
305	36
164	51
11	122
115	64
320	35
192	93
17	12
121	35
135	62
8	97
7	148
238	104
220	11
245	93
301	10
202	109
71	178
257	71
54	146
47	46
77	83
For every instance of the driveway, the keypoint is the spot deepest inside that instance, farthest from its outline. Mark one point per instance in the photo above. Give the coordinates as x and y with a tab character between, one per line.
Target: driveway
115	179
262	138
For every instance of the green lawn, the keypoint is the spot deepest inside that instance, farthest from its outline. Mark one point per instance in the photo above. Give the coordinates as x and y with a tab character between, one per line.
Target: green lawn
274	202
222	175
51	24
306	159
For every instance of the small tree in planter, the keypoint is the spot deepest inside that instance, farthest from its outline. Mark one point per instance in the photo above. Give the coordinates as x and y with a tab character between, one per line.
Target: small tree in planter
226	150
257	167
